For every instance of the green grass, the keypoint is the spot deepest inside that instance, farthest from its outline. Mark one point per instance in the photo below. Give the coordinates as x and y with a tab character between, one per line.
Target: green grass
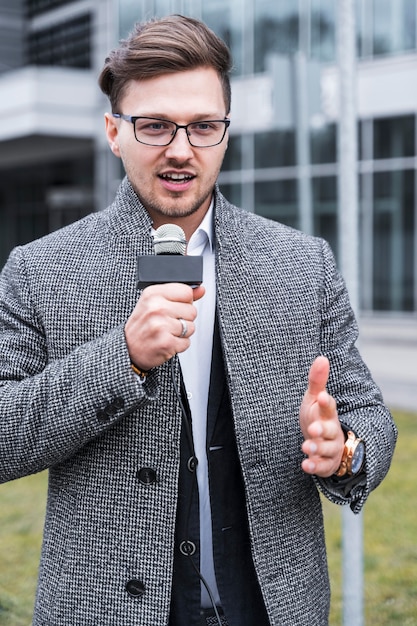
389	538
22	508
390	543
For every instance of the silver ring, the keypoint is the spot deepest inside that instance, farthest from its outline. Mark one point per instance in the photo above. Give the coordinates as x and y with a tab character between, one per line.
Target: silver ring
184	327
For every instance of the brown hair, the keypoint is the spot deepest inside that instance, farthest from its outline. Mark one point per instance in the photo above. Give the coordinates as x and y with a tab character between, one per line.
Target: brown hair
170	44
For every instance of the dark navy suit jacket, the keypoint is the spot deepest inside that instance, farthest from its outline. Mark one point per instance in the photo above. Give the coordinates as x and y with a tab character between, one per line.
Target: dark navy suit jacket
237	582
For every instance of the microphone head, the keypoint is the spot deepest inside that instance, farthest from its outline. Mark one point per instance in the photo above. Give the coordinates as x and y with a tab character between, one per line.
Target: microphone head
169	239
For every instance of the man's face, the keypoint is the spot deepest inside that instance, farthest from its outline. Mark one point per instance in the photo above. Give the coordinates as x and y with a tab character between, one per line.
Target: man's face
174	182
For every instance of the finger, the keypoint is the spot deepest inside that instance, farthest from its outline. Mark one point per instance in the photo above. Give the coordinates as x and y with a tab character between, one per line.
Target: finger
320	466
173	292
173	300
325	461
156	306
318	375
321	410
326	405
198	292
324	437
186	328
326	430
324	422
178	292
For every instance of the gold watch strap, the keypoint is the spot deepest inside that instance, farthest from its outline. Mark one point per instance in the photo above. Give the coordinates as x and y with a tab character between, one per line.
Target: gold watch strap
348	451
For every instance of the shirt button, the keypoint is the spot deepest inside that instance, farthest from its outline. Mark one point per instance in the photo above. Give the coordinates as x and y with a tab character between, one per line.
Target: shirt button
192	464
189	395
187	548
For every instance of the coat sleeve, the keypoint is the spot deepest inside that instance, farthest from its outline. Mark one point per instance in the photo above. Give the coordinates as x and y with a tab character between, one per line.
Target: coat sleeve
359	401
49	409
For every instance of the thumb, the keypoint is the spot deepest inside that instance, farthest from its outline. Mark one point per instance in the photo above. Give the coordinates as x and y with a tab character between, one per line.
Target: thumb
198	292
318	376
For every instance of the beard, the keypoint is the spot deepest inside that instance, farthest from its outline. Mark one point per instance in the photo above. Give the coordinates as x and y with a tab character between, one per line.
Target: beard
175	208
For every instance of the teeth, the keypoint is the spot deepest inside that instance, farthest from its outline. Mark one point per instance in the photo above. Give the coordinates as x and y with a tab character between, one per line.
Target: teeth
175	176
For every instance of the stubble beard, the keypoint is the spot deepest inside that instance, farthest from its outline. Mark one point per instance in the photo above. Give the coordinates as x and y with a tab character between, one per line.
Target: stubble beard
175	209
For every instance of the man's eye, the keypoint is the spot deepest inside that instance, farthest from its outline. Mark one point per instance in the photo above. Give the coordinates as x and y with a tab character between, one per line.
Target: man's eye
152	127
202	127
157	126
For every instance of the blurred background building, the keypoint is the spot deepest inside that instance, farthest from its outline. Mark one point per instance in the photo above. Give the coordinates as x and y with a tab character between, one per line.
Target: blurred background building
55	165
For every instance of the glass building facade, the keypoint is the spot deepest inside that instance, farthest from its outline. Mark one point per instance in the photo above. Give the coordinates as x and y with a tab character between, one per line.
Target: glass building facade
261	171
282	155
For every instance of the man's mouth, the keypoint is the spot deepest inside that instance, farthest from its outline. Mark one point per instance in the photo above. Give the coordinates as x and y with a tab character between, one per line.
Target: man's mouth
176	177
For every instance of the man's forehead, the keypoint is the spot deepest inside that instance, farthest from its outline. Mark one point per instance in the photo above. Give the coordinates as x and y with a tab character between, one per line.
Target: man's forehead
192	91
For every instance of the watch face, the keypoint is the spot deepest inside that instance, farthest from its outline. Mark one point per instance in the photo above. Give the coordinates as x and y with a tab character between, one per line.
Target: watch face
358	458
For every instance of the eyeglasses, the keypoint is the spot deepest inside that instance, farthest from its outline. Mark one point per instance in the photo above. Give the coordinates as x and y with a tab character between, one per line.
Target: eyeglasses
153	131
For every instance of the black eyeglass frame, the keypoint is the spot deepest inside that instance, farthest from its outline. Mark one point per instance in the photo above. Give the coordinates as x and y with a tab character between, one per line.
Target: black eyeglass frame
132	119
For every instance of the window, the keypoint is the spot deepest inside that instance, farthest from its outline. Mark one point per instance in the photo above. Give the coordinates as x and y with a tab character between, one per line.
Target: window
36	199
63	45
276	30
394	24
323	144
323	37
393	247
394	137
325	209
233	156
35	7
275	148
277	200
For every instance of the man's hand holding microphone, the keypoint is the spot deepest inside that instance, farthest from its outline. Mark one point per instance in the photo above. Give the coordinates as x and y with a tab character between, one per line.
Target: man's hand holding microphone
162	321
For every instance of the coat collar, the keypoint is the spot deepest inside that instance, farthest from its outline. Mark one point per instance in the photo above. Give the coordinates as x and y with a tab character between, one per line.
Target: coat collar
127	215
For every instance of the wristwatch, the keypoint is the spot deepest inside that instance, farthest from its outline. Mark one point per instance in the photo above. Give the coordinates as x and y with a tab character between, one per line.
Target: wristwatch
353	456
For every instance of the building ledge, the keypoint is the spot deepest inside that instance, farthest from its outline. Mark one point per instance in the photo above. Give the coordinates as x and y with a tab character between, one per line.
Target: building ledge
50	101
386	86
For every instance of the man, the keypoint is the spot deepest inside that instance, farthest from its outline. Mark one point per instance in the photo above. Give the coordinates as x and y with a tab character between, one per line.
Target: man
187	431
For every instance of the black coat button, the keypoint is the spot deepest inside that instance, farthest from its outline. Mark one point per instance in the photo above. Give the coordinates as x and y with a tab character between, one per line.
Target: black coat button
135	588
118	403
113	407
146	475
102	416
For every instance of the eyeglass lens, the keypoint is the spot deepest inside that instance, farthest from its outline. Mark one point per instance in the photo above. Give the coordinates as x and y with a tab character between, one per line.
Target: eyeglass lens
155	132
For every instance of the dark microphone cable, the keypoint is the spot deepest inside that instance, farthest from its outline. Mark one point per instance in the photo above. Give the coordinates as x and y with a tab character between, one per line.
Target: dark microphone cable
189	435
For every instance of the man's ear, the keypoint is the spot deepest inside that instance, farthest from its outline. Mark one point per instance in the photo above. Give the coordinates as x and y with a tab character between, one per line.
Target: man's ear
112	133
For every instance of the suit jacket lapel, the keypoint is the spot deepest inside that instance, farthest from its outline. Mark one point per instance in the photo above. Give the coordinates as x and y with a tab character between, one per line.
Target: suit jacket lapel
217	383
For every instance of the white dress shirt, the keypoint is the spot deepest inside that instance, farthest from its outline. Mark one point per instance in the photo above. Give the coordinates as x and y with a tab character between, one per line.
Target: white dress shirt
196	366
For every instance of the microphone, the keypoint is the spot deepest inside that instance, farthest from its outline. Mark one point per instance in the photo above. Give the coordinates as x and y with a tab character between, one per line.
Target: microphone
169	239
169	264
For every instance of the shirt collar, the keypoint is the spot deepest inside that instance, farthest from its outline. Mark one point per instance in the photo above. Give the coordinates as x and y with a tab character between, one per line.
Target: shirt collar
205	232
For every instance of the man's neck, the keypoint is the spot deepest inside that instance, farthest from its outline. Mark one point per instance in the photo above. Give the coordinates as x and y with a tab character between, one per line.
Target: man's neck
188	223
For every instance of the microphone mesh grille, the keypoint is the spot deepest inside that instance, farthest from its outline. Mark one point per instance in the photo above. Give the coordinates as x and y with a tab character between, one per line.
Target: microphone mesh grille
169	239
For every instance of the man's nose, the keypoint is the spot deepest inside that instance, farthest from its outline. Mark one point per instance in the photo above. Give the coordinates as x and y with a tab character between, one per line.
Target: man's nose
180	146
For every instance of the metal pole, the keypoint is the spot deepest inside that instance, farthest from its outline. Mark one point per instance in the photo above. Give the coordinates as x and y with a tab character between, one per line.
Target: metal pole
352	527
302	122
302	143
107	166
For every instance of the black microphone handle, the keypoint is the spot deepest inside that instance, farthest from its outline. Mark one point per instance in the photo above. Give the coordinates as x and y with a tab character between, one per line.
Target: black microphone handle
169	268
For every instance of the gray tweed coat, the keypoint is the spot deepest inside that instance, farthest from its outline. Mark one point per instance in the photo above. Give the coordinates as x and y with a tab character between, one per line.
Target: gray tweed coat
69	402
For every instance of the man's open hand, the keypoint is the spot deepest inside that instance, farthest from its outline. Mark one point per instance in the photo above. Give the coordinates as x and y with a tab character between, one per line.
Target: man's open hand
323	435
